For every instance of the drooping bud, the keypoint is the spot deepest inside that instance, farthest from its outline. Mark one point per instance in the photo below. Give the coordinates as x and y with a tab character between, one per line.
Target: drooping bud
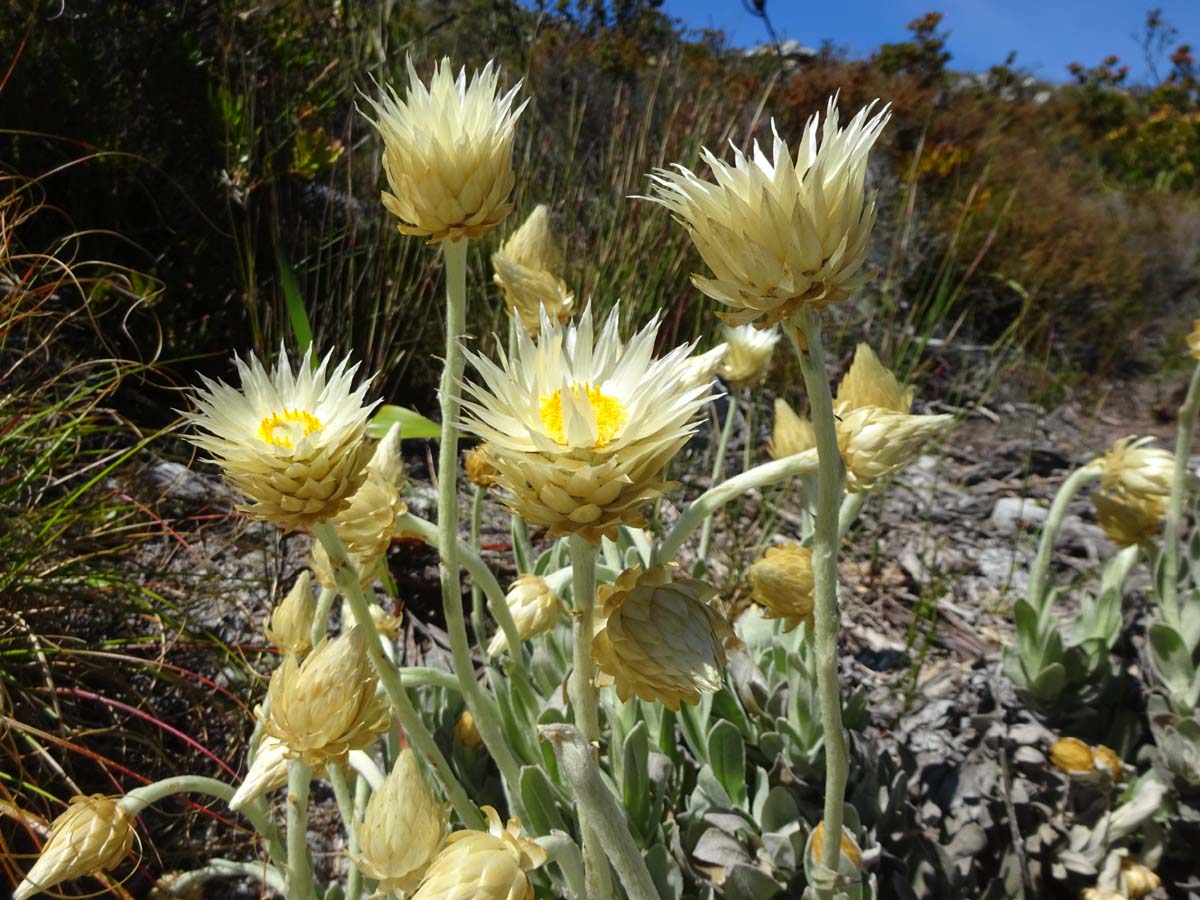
703	369
483	865
268	771
402	828
290	628
1126	519
791	434
876	442
326	706
782	583
659	637
748	359
535	609
92	835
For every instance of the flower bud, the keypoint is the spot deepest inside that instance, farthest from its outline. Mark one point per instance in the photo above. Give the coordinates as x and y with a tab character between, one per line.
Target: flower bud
703	369
791	434
1071	755
479	865
447	153
1137	880
365	527
1134	469
782	583
535	609
480	466
868	383
658	636
876	442
466	733
1127	519
268	771
326	706
849	846
290	628
92	835
748	359
1107	759
385	623
388	458
402	828
527	268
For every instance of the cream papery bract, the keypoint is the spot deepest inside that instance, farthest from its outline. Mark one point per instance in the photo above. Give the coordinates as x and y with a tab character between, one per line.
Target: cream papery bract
748	359
783	233
447	152
294	443
1132	466
92	835
535	609
527	268
581	425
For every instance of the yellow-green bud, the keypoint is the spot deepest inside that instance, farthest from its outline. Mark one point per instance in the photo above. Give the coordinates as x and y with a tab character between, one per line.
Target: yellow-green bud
483	865
782	583
535	609
290	628
92	835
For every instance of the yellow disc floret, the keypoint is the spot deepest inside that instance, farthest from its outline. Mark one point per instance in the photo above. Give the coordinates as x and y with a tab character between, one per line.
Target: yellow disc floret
610	414
282	428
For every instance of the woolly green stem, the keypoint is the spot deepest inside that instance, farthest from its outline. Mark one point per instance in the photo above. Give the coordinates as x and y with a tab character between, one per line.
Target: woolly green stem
1183	450
389	676
183	884
368	773
479	573
345	805
1039	573
486	719
718	470
477	618
830	478
139	798
703	506
564	853
852	505
320	623
300	884
576	760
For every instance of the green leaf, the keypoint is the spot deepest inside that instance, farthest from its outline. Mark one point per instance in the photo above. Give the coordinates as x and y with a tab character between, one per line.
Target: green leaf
1049	683
779	811
1172	662
727	756
635	778
537	795
665	872
412	424
749	883
297	314
693	722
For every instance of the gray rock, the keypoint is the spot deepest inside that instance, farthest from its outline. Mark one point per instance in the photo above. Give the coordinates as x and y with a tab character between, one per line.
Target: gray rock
1011	515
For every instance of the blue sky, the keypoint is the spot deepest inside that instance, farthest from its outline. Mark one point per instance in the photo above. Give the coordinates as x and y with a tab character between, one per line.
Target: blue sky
1047	34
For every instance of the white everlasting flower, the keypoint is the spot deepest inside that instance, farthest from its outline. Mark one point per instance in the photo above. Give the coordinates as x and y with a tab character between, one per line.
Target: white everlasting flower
447	152
527	267
783	233
483	865
92	835
535	609
290	628
580	426
268	771
1132	467
749	358
703	369
402	828
294	443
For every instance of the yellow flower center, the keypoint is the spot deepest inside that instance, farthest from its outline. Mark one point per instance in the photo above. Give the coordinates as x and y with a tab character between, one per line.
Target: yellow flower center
610	414
283	428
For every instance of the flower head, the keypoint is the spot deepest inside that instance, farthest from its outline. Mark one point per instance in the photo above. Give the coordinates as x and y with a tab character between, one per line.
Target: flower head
325	707
703	369
467	733
790	434
1128	519
290	627
481	472
92	835
527	267
1138	880
875	442
268	771
580	426
868	383
782	584
659	637
749	358
483	865
294	443
535	609
784	233
1133	468
402	828
1077	759
447	152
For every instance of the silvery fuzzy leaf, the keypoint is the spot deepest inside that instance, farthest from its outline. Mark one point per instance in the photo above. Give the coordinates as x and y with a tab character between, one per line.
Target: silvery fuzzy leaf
717	847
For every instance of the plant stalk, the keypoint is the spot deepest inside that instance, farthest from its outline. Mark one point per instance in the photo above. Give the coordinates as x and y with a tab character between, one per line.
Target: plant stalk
1183	451
718	470
1039	573
320	623
299	872
389	676
830	478
477	618
455	255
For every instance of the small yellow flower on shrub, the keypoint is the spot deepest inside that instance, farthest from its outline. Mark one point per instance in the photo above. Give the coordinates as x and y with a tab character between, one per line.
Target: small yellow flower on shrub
325	707
527	268
581	426
447	152
1138	880
535	609
748	359
92	835
294	443
784	233
849	846
659	637
1126	519
483	865
782	584
403	827
466	733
